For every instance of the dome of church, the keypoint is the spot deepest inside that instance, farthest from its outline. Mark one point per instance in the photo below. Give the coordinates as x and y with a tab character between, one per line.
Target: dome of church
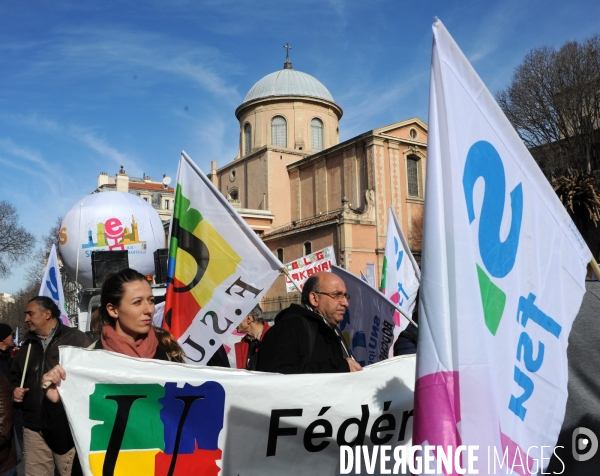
288	82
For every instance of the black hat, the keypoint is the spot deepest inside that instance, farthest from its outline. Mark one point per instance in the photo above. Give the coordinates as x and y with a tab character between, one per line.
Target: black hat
5	331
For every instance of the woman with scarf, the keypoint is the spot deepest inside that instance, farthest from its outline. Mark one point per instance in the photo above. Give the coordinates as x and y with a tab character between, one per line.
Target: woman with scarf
124	323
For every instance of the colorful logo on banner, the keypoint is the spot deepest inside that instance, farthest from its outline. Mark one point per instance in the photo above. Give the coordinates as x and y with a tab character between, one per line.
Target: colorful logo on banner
498	259
199	260
112	235
156	430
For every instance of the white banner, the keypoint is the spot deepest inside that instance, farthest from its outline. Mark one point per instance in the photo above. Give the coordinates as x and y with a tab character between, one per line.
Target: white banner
52	285
503	277
302	269
144	417
218	268
368	324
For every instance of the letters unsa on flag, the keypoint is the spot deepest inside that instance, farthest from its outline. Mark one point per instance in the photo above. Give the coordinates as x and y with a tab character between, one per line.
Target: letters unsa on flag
492	364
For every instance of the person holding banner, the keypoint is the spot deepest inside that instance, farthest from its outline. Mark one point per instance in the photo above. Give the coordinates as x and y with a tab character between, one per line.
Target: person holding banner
124	323
39	354
306	338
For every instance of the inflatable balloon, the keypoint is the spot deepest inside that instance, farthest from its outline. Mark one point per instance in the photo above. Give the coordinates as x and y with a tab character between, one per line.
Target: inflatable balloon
109	221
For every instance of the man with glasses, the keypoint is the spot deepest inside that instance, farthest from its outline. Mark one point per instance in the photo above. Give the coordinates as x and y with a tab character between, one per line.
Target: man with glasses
306	338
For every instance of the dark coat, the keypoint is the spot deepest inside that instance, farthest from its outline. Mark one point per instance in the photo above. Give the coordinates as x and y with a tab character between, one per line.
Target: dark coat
583	403
8	454
5	362
40	362
285	347
406	342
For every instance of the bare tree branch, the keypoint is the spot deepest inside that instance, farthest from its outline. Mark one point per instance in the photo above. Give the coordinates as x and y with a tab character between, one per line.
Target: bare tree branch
16	243
554	104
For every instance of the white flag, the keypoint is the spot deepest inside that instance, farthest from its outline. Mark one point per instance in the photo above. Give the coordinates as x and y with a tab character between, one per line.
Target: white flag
503	278
400	275
52	285
218	268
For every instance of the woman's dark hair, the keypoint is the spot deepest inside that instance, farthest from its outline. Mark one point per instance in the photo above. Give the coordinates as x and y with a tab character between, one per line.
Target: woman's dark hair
113	290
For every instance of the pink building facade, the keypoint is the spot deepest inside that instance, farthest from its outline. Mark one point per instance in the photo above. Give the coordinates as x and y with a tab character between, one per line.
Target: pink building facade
301	190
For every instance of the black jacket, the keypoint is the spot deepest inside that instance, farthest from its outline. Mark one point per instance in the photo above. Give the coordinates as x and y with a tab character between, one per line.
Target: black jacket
5	362
8	455
40	362
284	348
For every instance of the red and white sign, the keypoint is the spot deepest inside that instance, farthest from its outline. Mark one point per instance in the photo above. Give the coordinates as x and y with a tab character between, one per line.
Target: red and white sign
305	267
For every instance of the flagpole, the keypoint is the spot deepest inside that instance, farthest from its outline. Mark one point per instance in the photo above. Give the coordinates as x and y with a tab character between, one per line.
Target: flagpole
595	267
287	273
404	314
25	367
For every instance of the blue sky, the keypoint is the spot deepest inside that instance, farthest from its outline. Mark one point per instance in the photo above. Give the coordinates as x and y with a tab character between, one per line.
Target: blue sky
88	86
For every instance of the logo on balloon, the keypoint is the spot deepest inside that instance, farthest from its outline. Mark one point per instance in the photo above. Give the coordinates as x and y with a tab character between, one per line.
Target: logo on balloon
112	235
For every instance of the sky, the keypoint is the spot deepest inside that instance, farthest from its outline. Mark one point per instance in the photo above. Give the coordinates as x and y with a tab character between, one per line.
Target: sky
86	87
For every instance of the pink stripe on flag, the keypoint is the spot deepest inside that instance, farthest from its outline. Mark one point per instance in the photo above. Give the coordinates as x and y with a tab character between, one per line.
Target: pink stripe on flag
437	410
523	463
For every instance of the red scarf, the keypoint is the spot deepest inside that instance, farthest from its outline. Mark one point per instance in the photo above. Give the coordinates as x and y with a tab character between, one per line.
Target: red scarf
143	347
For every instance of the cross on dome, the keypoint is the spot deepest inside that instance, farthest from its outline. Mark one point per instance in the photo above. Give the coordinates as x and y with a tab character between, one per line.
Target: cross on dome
288	63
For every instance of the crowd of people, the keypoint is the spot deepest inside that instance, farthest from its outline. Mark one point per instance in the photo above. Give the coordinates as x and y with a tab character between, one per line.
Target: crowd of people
304	339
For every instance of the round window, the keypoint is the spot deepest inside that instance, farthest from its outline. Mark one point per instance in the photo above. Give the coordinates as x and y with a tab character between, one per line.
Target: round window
413	134
232	175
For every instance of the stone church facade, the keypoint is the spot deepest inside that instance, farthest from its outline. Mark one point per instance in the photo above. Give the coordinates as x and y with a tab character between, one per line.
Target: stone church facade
301	190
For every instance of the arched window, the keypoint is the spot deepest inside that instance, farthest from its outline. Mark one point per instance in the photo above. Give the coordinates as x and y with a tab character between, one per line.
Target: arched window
233	196
316	135
280	254
247	139
307	248
413	172
279	131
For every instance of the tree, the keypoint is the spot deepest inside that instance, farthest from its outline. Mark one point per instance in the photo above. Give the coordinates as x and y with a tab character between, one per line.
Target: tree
553	102
36	269
15	242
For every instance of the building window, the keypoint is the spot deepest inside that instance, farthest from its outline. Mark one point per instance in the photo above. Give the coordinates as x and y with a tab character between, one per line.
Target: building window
307	248
234	196
279	131
413	133
167	204
413	165
247	139
316	135
280	254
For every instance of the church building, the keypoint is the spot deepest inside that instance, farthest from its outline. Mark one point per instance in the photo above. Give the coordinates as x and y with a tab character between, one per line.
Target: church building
301	190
